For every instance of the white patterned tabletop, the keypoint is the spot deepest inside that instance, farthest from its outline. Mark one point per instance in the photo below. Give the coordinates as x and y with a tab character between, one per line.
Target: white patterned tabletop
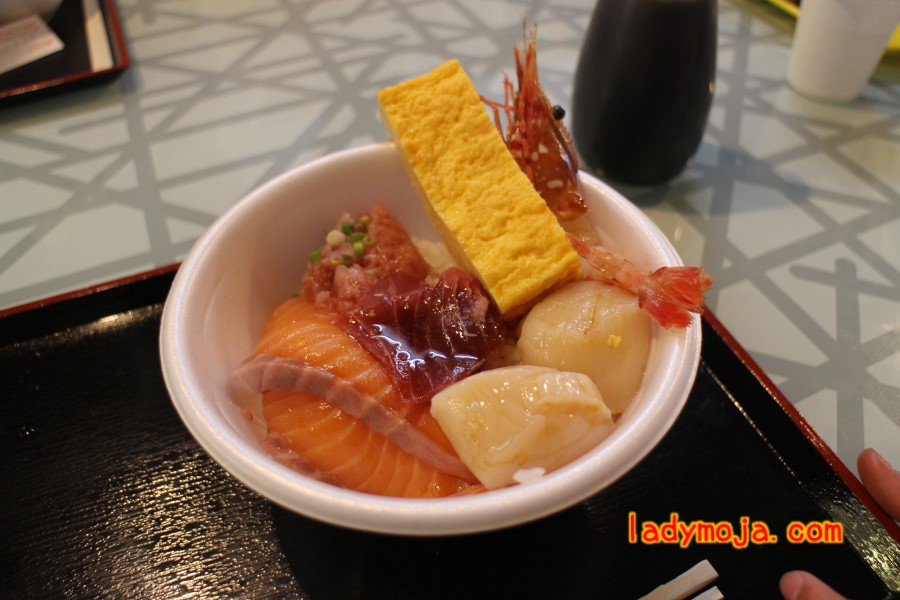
791	204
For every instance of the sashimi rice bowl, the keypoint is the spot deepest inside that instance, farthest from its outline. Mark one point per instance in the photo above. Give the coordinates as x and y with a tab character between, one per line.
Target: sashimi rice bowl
253	261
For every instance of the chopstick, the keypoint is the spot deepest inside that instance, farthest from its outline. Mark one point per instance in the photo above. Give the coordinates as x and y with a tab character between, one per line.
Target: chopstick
691	581
712	593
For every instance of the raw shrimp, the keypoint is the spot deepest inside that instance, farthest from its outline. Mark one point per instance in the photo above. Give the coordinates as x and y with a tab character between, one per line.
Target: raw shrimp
537	138
668	294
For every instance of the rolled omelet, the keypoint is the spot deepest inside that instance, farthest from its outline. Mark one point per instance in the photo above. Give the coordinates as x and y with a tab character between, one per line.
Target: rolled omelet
486	210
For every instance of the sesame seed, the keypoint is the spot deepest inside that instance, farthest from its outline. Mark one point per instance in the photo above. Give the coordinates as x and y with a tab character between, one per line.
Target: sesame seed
554	184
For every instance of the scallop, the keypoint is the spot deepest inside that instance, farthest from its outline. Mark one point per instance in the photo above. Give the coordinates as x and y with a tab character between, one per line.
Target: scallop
591	328
512	424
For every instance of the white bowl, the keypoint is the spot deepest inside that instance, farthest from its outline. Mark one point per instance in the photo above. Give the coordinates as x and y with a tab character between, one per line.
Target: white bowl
253	257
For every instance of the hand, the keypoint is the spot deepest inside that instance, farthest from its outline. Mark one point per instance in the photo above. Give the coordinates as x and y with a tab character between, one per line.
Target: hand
883	483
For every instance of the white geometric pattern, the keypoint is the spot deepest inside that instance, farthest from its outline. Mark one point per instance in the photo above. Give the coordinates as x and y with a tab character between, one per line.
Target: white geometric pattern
793	205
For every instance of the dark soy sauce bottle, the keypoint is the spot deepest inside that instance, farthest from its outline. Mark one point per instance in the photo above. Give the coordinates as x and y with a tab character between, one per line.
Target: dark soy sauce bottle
643	87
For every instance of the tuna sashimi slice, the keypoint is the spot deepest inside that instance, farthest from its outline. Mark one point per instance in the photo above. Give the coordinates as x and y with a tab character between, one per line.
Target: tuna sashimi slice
427	336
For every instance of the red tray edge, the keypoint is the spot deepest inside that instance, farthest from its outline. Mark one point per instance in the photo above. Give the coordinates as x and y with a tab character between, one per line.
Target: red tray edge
805	428
87	291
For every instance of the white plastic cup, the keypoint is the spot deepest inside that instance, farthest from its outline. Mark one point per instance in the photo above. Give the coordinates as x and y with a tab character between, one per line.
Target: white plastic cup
837	45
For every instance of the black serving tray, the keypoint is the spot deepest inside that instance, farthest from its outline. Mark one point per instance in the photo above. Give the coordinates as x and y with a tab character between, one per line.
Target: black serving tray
106	494
70	67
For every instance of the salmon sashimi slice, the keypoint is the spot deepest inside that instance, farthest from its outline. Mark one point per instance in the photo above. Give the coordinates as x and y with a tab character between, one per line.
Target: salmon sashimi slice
302	349
333	446
299	330
264	372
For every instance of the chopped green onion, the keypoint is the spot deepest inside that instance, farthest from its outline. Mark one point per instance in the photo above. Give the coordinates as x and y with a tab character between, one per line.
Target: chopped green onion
346	227
348	260
368	240
358	248
363	223
314	256
356	237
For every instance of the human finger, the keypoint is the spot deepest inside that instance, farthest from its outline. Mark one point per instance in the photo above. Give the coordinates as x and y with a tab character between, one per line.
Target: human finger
881	480
800	585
